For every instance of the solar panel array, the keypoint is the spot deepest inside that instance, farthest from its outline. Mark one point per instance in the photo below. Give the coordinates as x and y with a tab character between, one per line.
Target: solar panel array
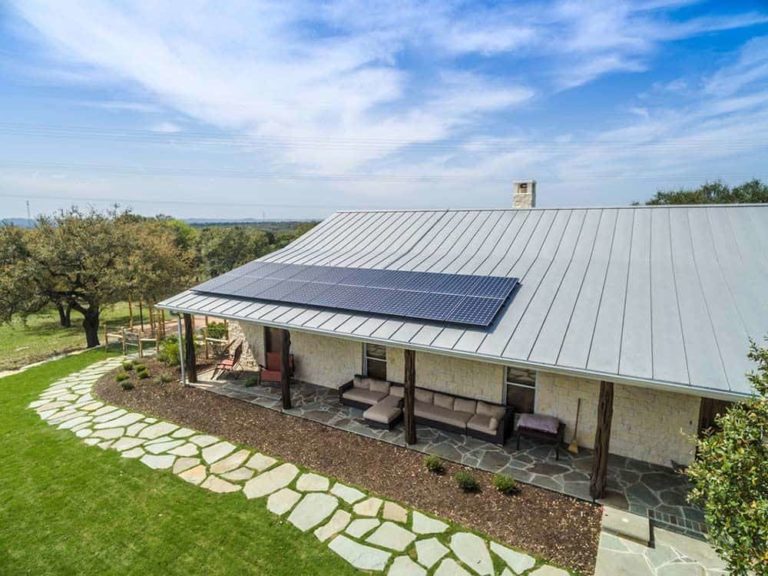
451	298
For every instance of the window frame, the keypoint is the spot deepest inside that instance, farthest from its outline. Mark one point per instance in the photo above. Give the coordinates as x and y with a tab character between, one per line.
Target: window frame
530	387
367	358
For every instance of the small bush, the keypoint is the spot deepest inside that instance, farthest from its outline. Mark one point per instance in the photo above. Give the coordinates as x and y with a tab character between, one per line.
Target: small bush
252	381
434	464
140	367
217	330
121	376
143	374
466	481
168	352
128	366
164	378
505	484
127	385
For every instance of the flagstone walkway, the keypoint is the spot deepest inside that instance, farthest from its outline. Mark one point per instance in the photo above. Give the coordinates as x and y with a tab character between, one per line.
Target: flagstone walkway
368	532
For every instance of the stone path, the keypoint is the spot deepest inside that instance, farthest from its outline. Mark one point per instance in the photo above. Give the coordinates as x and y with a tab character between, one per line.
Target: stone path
368	532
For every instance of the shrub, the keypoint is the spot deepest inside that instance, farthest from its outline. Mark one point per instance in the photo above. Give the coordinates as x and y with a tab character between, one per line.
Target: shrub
121	376
140	367
168	352
128	365
164	378
434	464
505	484
466	481
252	381
127	385
143	374
217	330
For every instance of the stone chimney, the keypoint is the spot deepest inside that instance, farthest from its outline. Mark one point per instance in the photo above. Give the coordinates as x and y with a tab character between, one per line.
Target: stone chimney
525	194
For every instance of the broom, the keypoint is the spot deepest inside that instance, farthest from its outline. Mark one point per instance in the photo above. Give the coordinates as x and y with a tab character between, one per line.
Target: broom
573	447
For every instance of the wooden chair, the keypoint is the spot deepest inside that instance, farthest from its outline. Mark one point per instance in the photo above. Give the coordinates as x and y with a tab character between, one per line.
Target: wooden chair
228	365
272	371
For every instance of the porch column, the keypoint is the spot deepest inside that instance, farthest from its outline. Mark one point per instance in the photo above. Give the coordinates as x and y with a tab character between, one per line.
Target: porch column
409	394
189	348
599	478
180	336
285	368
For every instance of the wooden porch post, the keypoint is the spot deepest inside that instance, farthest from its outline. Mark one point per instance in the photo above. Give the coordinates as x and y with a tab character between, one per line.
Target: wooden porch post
409	396
189	348
599	478
285	368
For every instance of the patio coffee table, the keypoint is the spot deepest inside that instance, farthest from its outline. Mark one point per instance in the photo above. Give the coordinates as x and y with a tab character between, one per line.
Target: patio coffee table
385	413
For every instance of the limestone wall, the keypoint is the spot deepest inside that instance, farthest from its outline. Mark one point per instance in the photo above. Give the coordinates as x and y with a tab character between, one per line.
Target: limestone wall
650	425
480	380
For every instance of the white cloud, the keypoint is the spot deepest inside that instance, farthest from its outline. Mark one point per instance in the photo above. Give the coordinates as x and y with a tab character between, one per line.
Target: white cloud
165	128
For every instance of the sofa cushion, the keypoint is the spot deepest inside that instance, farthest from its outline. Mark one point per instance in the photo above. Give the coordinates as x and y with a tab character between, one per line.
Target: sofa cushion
424	396
384	412
361	382
379	386
483	423
490	410
462	405
442	415
443	401
362	395
398	391
539	423
391	400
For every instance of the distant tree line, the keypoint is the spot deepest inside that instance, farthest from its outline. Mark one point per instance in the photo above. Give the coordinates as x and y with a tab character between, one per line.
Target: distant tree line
752	192
82	261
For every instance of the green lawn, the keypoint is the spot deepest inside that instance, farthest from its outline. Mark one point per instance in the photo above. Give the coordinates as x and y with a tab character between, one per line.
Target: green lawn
41	336
67	508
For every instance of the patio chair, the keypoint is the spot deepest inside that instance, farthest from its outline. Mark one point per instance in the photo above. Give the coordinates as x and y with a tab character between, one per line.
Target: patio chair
228	365
272	371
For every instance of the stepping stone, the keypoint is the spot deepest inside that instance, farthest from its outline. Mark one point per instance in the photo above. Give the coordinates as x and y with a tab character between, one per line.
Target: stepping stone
270	481
157	430
158	462
80	427
91	406
336	524
312	483
133	453
204	440
423	524
313	510
552	571
390	535
105	444
217	451
360	528
126	420
150	420
159	447
183	464
281	501
111	416
187	449
450	567
239	475
404	566
627	525
216	484
259	462
369	507
230	462
358	555
183	433
109	434
46	415
194	475
395	512
517	561
75	422
104	410
134	429
429	551
347	493
473	552
126	443
84	432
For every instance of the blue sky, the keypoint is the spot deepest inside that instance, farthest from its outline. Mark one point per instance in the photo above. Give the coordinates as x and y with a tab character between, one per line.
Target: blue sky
295	109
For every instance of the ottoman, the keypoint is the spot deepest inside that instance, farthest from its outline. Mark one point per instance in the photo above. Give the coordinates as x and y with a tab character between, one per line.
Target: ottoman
385	413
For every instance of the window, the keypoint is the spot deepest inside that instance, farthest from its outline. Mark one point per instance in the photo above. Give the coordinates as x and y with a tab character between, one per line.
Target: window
521	389
375	361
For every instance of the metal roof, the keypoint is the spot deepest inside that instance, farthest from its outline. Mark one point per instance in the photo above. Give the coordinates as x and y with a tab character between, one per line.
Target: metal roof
662	296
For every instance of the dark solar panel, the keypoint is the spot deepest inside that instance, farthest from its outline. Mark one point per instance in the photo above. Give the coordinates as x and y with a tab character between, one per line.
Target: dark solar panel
451	298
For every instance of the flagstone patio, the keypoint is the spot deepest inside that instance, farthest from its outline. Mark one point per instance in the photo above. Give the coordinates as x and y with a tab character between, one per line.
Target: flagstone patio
639	487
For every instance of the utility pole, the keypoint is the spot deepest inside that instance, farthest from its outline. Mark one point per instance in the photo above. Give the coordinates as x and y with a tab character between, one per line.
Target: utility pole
29	214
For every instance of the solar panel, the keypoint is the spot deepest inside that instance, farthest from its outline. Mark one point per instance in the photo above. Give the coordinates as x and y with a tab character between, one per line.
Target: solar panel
431	296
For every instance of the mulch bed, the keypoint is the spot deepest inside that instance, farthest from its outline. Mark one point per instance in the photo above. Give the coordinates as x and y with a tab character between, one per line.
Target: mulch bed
558	528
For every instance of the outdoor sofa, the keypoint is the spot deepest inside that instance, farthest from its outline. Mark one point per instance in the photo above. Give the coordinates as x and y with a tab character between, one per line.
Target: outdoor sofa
382	402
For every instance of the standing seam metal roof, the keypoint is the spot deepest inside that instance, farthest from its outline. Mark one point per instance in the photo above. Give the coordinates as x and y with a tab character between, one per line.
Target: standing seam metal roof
667	296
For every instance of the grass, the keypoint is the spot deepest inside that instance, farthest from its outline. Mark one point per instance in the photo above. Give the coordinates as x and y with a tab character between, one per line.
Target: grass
68	508
41	336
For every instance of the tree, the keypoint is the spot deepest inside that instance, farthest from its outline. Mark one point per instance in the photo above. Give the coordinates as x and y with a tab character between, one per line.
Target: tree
222	249
752	192
730	477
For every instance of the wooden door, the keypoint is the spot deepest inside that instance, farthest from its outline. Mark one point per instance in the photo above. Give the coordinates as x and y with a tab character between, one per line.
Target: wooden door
272	340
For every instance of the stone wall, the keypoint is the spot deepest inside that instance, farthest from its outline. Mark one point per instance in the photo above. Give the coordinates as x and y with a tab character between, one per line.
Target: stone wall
251	335
650	425
470	378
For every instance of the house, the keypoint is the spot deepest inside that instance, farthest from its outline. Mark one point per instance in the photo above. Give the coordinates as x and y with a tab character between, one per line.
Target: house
645	310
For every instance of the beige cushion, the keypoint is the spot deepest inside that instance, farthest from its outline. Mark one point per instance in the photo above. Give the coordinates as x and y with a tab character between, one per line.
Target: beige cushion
483	423
443	401
361	382
490	410
437	414
391	400
461	405
379	386
362	395
398	391
383	412
424	396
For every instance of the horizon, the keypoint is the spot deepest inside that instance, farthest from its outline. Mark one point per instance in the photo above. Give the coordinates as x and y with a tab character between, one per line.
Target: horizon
292	111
